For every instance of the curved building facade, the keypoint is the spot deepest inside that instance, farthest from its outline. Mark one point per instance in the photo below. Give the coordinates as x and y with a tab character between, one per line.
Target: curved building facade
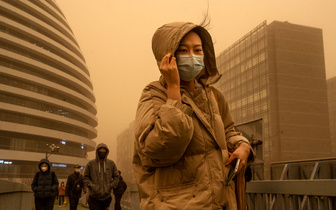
46	95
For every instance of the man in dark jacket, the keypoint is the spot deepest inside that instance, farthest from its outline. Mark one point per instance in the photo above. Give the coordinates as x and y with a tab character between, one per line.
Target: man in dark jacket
44	186
101	176
74	187
119	191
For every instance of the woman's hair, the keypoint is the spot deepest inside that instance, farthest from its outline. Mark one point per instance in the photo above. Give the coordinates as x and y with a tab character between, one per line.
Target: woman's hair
205	23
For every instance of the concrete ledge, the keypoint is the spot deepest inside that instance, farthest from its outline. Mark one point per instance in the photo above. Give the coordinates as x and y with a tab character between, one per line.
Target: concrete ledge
16	196
11	187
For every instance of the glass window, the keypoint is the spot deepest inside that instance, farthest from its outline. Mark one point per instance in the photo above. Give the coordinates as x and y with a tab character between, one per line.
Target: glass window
261	56
244	101
248	52
250	86
248	41
254	36
256	108
242	67
243	113
255	61
249	74
250	100
263	80
254	49
256	96
264	105
263	93
238	103
261	44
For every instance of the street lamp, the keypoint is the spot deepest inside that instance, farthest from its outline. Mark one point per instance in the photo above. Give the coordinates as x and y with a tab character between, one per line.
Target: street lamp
52	148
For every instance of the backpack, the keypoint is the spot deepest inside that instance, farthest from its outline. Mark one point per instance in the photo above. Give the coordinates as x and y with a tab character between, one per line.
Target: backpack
121	187
78	185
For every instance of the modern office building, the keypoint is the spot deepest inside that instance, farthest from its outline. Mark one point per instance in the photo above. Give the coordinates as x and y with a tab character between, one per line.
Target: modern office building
274	81
331	86
46	95
125	150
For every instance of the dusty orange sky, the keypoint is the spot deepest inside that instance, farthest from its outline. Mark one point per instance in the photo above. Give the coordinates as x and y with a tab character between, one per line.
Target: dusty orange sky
115	38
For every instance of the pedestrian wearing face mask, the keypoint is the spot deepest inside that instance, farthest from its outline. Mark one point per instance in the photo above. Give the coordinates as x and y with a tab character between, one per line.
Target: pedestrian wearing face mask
183	127
44	186
74	187
101	176
61	194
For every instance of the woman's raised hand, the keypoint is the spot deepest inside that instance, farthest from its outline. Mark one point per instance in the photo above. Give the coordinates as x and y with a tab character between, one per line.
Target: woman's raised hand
169	71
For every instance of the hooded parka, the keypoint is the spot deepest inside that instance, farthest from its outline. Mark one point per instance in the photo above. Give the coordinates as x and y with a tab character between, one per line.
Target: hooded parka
99	177
181	147
45	184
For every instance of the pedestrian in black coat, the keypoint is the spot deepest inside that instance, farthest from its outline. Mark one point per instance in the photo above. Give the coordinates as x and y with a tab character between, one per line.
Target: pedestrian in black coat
74	187
44	186
119	192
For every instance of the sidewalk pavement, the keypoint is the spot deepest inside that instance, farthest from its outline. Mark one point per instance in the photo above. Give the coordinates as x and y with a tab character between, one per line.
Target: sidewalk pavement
79	207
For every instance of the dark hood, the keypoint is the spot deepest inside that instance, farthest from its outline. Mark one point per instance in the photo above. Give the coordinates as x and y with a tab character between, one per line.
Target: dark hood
102	145
167	38
44	161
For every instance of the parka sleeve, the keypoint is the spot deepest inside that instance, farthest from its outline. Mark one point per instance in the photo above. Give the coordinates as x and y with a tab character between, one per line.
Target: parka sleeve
34	183
115	176
67	186
233	138
87	176
163	128
55	182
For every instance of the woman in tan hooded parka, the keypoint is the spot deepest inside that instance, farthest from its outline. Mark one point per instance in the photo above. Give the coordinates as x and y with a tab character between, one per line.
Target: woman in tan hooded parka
184	130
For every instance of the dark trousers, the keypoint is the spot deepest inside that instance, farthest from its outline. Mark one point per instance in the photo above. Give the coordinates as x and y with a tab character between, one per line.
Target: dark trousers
117	202
44	203
95	204
60	200
73	203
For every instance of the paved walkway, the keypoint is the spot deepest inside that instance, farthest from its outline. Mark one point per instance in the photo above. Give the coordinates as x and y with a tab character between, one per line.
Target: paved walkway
79	207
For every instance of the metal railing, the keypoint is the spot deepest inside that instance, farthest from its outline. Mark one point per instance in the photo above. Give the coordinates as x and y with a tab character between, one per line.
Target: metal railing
301	185
292	195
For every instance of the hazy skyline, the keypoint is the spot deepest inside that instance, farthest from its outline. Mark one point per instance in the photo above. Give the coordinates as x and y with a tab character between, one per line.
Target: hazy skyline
115	38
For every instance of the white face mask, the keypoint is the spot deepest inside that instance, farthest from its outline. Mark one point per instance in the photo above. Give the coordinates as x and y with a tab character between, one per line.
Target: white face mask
44	169
189	66
77	170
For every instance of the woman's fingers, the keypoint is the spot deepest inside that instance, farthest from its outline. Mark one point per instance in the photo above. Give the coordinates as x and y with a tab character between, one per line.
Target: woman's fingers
168	69
165	60
242	152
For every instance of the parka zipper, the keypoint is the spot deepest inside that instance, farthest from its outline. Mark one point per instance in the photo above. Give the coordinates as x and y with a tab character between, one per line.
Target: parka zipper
205	142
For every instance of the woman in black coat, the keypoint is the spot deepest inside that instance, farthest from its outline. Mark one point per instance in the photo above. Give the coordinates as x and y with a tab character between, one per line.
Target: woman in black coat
44	186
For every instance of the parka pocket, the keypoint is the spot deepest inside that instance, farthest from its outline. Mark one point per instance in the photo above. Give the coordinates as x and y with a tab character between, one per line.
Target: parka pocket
182	173
96	191
175	196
